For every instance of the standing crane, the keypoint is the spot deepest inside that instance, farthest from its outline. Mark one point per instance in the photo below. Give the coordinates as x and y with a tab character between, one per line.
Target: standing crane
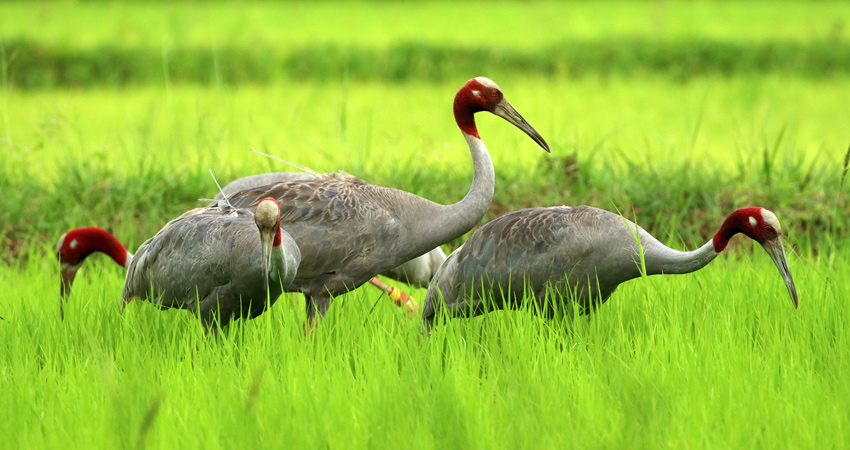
416	272
349	231
580	254
219	262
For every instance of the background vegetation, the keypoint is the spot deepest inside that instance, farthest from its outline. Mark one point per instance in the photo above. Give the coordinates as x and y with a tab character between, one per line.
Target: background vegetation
675	113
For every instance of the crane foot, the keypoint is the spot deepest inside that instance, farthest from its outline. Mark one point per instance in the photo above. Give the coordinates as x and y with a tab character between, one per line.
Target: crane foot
398	297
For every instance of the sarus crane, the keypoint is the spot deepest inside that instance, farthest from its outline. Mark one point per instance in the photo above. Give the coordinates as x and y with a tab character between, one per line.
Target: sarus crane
581	254
416	272
349	231
219	262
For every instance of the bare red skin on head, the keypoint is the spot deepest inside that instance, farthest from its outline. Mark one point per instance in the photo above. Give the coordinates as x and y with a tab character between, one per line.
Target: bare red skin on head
277	236
276	242
739	222
90	240
467	104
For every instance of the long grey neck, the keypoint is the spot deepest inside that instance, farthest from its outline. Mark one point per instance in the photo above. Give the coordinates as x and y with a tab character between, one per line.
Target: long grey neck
662	259
446	222
278	269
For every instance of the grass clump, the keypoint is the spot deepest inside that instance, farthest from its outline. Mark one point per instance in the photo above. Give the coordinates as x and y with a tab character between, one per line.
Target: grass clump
33	65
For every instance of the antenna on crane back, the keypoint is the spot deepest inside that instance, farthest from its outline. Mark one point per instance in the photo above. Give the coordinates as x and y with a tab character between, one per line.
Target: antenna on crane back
226	200
297	166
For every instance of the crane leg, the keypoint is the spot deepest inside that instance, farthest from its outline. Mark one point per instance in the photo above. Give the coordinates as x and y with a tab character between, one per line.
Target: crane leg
427	325
397	296
317	306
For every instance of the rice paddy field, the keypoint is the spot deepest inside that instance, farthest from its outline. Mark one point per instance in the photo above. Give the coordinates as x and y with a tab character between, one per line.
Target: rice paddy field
673	113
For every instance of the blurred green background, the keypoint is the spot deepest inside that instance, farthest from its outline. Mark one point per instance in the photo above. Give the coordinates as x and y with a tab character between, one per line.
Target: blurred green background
71	44
676	112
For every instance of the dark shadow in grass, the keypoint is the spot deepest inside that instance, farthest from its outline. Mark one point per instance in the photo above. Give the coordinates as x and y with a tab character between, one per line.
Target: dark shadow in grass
147	422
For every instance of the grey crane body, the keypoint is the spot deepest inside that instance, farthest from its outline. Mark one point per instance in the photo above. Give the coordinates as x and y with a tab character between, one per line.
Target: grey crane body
561	250
349	231
211	261
579	254
416	272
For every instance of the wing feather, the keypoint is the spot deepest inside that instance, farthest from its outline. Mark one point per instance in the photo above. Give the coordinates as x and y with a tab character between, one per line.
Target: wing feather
336	219
536	249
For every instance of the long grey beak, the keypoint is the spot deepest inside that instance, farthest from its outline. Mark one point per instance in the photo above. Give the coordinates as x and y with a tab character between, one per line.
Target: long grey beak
67	272
776	250
266	242
506	111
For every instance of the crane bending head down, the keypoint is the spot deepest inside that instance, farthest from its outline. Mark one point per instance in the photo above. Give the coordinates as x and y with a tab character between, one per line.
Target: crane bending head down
74	246
267	218
763	227
575	254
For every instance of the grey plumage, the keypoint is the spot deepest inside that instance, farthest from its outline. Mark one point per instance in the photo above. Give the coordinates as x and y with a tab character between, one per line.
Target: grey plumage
349	231
344	229
416	272
580	254
534	250
263	179
210	261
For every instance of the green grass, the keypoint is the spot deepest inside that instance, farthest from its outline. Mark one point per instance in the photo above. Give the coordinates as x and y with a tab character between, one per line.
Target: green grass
33	65
213	43
381	24
715	359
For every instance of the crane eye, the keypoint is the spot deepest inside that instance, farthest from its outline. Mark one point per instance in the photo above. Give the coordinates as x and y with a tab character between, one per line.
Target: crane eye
770	229
493	93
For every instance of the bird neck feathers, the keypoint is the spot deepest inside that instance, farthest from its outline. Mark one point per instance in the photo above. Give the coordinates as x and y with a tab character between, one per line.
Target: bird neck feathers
662	259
